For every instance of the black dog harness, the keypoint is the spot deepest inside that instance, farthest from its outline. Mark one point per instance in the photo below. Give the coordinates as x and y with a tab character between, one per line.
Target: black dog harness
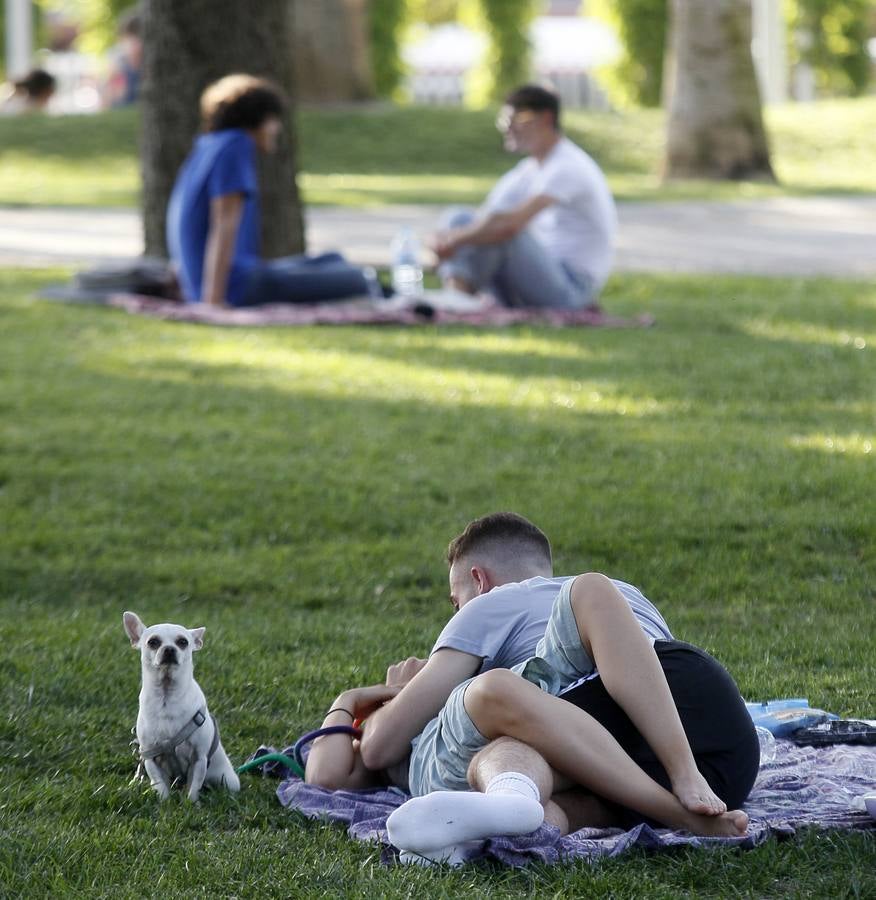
165	752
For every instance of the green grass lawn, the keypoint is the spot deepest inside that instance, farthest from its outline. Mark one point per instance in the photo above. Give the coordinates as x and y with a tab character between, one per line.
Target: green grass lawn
384	154
293	490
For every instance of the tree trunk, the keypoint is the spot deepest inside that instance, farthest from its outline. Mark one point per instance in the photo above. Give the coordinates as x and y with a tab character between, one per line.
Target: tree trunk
715	124
188	45
332	54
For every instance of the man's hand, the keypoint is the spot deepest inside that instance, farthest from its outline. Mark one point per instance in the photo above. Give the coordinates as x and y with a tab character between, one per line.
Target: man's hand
387	739
444	244
363	701
401	673
493	228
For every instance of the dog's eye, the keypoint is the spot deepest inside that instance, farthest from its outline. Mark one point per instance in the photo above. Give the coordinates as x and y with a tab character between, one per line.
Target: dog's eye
182	643
153	643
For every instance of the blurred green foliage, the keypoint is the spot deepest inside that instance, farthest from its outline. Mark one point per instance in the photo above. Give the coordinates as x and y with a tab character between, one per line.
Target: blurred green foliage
387	18
637	78
829	35
505	22
832	36
509	60
433	12
96	19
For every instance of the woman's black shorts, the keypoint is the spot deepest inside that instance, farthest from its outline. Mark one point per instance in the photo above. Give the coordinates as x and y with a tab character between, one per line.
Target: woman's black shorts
713	714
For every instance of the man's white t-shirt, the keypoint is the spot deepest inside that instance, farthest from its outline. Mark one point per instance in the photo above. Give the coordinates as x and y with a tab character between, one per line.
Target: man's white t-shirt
504	625
579	228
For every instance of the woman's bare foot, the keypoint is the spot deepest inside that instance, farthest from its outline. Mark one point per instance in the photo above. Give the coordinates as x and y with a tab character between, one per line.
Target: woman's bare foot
696	796
727	824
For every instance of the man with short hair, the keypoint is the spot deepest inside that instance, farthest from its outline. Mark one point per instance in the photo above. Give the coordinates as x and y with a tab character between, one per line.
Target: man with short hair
512	614
213	228
544	237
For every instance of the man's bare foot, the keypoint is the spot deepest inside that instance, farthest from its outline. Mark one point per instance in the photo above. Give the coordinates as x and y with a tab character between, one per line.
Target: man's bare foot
727	824
696	796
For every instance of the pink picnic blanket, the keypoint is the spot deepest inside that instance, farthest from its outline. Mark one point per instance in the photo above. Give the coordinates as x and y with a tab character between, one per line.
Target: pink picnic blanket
804	786
367	311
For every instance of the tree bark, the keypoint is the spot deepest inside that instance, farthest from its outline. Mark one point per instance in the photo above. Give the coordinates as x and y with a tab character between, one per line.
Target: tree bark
332	54
187	45
715	124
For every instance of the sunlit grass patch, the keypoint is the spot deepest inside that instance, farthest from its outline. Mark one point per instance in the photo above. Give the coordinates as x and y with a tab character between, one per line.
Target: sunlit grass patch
380	153
372	190
809	333
346	374
858	444
55	180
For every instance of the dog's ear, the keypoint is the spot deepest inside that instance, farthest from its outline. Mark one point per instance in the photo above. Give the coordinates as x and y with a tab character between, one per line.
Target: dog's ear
134	628
197	637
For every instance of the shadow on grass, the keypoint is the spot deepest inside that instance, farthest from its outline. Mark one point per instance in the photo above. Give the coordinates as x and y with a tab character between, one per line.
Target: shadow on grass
312	477
222	475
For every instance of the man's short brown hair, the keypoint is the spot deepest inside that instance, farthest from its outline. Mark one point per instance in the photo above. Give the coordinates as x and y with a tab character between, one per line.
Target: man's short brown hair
500	528
536	98
240	101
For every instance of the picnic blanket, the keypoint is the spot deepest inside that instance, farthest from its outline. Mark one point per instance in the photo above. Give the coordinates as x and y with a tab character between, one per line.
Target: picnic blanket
804	786
357	311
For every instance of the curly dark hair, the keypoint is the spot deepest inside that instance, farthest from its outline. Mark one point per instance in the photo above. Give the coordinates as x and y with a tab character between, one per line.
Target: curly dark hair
240	101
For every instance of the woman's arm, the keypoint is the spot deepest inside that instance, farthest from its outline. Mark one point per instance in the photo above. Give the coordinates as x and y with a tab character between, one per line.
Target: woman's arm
226	212
334	761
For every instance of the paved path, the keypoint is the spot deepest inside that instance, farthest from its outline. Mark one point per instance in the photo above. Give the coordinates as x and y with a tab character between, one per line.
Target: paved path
833	236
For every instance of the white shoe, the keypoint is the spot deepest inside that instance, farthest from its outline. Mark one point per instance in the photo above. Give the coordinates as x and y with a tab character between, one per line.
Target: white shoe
452	300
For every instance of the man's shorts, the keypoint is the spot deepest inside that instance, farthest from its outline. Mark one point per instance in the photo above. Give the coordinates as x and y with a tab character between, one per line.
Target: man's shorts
441	754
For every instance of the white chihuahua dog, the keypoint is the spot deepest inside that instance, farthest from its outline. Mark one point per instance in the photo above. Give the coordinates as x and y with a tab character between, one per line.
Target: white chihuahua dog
177	736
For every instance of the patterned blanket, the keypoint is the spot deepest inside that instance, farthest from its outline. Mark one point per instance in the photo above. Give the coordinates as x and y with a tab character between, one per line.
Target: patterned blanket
803	786
367	311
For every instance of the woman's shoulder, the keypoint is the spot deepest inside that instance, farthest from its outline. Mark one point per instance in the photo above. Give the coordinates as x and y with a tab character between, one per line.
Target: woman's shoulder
234	140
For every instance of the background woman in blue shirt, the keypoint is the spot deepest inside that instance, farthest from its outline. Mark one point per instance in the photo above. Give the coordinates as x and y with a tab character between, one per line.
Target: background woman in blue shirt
213	229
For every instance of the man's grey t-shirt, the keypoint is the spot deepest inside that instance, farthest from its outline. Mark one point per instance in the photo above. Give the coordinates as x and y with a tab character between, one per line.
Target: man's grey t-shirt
504	625
504	628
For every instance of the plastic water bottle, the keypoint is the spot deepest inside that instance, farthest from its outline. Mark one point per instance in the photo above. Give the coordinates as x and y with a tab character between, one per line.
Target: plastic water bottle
782	717
407	274
767	745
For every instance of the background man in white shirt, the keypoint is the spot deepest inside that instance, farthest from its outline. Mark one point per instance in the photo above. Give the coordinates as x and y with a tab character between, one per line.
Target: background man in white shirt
545	234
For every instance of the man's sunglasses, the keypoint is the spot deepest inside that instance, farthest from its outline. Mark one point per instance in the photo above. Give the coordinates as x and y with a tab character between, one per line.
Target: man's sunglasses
510	118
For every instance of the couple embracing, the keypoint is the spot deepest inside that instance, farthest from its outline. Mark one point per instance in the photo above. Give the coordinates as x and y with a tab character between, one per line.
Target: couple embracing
561	700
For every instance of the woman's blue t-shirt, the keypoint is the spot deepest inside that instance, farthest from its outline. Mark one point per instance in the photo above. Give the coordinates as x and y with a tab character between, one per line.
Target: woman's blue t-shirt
221	162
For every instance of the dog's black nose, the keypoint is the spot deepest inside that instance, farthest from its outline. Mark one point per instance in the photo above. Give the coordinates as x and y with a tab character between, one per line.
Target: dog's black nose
168	657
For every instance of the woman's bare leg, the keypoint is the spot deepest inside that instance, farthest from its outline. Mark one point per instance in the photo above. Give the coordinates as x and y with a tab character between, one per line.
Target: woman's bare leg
633	677
573	743
581	809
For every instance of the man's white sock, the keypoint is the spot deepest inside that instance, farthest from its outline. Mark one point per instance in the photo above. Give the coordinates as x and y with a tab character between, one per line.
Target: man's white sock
513	783
440	819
